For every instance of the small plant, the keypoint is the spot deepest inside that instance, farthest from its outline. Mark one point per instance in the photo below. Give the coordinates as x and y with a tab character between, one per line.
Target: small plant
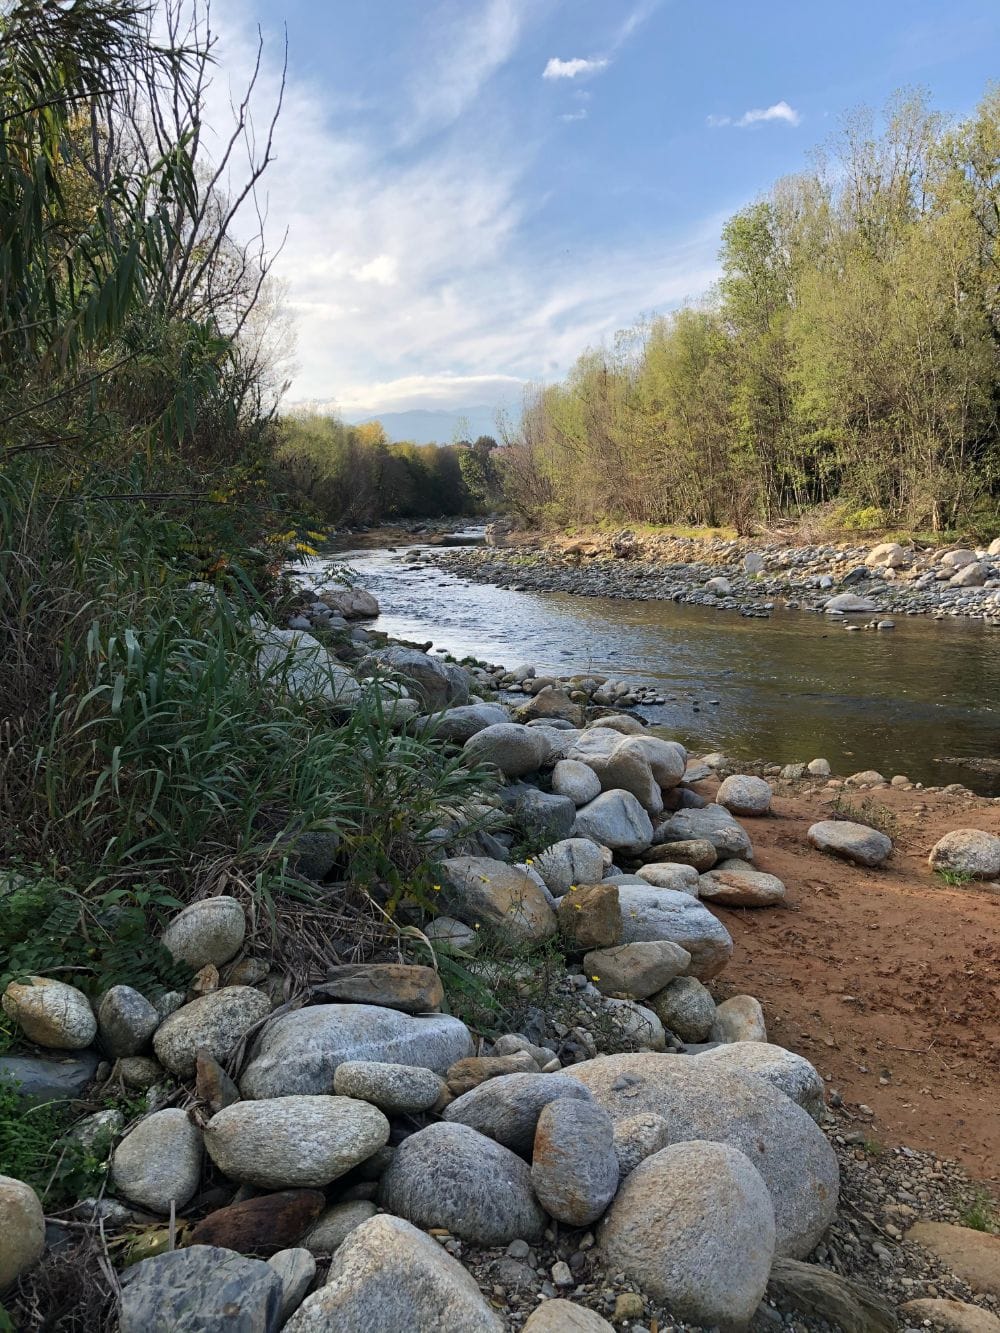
36	1146
866	811
955	878
981	1214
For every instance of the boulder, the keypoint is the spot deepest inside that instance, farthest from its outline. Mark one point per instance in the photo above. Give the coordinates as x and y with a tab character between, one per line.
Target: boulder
506	1109
478	889
552	701
42	1078
635	1026
336	1224
818	768
737	1019
450	1176
952	1316
351	603
696	852
159	1162
460	724
973	1255
209	931
719	586
564	1317
617	820
22	1229
849	603
686	1008
415	990
394	1089
389	1275
125	1021
714	824
968	851
200	1288
546	818
295	663
743	794
669	875
574	1166
589	917
299	1052
572	861
694	1226
515	750
790	1073
261	1225
852	842
641	765
700	1099
887	555
450	935
51	1013
666	914
464	1075
970	576
638	969
286	1142
576	780
820	1294
736	885
297	1270
427	679
638	1137
216	1023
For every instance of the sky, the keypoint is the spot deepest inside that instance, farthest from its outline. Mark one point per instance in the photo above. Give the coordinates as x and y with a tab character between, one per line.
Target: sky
475	191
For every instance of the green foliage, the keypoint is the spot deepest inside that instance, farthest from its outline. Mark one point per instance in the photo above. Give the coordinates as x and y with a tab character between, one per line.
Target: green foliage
36	1146
851	352
981	1214
955	878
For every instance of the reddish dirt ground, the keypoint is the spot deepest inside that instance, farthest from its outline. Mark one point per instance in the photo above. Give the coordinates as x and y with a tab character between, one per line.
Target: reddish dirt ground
887	980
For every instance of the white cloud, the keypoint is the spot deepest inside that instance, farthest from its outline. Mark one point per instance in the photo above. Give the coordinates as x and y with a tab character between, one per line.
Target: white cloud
570	69
780	111
575	115
717	122
383	269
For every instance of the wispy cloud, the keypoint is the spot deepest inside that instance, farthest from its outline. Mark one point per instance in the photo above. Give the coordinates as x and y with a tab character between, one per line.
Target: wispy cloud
572	69
570	116
780	111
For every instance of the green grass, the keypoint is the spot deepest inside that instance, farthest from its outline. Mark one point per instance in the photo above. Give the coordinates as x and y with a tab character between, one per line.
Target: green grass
955	878
982	1214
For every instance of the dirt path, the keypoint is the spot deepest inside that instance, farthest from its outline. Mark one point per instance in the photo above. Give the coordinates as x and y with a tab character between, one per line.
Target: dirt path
887	980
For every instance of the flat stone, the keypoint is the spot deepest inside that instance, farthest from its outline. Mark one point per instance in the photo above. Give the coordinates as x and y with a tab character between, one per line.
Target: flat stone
464	1075
696	852
261	1225
852	842
478	889
952	1316
50	1013
450	935
818	1293
699	1100
849	603
638	969
450	1176
973	1255
209	931
574	1165
694	1226
427	678
666	914
415	990
200	1289
743	887
714	824
42	1078
126	1021
506	1109
394	1089
388	1275
669	875
336	1224
22	1229
159	1162
299	1052
215	1023
564	1317
589	916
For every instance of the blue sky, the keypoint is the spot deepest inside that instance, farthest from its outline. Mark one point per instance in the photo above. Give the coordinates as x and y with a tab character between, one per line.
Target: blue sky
476	190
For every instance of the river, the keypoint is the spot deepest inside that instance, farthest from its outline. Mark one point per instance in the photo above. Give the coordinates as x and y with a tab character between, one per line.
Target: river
786	689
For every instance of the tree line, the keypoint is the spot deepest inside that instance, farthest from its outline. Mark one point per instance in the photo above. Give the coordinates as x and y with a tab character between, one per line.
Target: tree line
849	356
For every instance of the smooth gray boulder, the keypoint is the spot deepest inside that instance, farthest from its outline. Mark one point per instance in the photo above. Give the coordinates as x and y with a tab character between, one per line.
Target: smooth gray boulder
200	1289
694	1226
790	1073
667	914
481	890
617	820
159	1162
506	1108
211	930
335	1224
621	764
514	749
700	1099
637	970
686	1008
297	1270
295	663
428	679
48	1078
714	824
577	780
574	1165
544	815
459	724
294	1142
125	1021
848	603
216	1022
740	1018
572	861
744	794
388	1276
448	1175
851	842
394	1089
298	1054
967	851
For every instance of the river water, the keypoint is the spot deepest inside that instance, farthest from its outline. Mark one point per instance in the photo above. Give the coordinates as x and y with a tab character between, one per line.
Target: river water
786	689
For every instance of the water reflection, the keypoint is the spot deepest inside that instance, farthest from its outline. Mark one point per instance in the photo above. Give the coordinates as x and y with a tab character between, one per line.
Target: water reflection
789	688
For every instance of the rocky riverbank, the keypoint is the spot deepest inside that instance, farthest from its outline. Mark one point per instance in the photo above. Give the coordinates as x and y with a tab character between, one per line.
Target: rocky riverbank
338	1151
843	581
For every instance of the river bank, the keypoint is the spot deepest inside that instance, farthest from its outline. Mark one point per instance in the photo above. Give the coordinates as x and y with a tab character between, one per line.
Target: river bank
878	580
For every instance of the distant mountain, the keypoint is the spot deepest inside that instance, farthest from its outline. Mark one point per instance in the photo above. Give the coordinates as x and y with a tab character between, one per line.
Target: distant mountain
425	426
